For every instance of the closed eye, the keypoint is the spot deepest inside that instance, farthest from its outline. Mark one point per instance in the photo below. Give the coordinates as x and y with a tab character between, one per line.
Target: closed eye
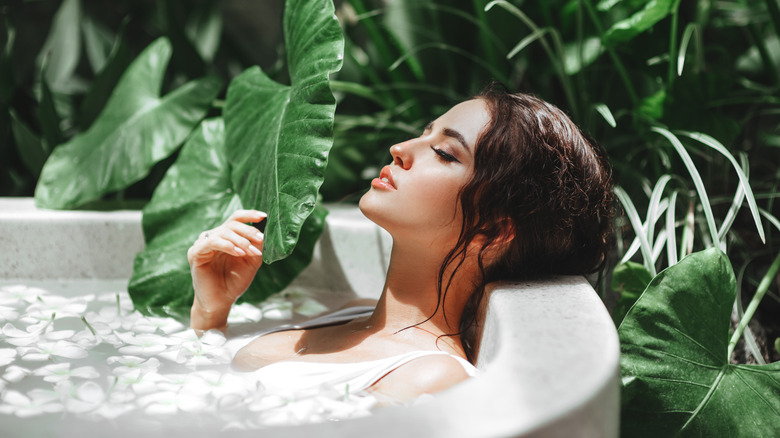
444	156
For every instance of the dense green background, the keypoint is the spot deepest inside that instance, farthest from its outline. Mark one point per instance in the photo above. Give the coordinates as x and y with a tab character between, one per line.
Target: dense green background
682	95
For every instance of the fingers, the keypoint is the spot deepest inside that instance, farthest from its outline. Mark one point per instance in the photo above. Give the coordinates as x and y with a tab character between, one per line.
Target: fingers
247	216
234	237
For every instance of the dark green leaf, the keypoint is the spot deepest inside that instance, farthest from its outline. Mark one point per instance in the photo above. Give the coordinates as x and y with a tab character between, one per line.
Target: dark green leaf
624	30
48	117
278	136
629	280
677	379
30	147
196	195
137	129
652	106
62	48
7	81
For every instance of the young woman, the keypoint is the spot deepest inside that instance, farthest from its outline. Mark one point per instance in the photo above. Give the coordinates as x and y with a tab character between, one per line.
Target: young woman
503	186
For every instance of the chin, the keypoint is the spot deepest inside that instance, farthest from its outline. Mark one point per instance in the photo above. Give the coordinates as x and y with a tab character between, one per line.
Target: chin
375	209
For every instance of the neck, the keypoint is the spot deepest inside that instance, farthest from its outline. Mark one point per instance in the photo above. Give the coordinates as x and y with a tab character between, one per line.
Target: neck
410	294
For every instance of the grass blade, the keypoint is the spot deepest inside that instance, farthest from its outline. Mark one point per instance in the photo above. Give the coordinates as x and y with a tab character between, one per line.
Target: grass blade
671	237
743	179
690	30
535	35
697	181
603	109
636	224
763	286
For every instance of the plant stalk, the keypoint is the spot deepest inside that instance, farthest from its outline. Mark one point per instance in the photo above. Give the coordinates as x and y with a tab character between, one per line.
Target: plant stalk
673	46
751	308
621	69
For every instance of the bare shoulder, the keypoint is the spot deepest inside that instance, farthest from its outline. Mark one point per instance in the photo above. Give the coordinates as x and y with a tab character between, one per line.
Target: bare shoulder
424	375
266	349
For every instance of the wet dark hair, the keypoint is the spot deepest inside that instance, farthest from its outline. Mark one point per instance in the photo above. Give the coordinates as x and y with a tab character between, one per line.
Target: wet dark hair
541	190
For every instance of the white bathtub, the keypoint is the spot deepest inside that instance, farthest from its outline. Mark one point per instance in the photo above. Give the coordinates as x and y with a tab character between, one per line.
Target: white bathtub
548	350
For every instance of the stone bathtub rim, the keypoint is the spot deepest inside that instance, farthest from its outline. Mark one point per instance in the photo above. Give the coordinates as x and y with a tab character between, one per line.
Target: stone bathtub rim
568	387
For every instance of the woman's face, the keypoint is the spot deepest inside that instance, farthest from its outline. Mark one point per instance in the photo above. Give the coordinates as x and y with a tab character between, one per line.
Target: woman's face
417	194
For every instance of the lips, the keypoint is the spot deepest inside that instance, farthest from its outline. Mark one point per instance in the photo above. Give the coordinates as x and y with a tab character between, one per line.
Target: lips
385	180
386	176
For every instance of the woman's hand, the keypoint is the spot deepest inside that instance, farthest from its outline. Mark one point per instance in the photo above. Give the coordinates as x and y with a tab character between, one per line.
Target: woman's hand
223	262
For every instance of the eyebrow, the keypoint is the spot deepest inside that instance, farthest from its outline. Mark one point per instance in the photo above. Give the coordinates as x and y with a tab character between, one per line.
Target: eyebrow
453	134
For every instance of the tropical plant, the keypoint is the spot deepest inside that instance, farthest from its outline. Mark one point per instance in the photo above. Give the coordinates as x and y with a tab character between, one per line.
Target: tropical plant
269	154
682	95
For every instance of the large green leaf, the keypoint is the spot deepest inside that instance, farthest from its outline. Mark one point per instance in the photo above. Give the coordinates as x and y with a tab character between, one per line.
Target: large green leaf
279	136
677	379
196	194
274	160
136	129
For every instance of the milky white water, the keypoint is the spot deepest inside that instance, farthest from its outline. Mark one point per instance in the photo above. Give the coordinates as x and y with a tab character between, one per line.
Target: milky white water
78	352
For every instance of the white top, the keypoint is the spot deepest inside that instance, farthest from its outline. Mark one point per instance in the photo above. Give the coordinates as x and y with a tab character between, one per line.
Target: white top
311	377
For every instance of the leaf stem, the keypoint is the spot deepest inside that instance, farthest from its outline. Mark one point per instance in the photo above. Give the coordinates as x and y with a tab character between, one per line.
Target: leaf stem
751	309
621	69
89	326
673	46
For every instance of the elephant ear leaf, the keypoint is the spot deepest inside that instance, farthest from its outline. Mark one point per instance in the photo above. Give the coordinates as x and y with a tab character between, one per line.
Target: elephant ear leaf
196	194
270	154
279	136
677	379
135	130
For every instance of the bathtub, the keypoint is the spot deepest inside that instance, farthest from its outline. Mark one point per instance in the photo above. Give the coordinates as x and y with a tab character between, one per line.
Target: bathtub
548	350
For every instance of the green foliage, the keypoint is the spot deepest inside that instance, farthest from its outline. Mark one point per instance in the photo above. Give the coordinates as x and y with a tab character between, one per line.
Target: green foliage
269	154
278	136
682	96
677	379
197	194
629	280
137	129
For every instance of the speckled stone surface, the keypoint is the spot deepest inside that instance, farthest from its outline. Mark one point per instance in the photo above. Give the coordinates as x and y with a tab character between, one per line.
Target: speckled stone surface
548	350
50	244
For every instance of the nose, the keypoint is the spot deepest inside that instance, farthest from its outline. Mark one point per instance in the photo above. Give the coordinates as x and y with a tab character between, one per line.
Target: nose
401	155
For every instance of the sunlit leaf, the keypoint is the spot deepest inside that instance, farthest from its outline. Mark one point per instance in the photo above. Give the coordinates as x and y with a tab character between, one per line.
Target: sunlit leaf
624	30
677	379
278	136
196	194
137	129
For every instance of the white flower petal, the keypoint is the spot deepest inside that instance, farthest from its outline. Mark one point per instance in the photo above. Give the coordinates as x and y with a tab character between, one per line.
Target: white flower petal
7	356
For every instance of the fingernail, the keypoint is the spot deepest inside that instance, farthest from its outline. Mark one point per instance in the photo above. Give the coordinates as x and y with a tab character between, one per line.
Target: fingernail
254	250
239	250
259	235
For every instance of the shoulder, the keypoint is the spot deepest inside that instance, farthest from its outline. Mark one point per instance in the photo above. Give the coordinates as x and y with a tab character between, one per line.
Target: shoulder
424	375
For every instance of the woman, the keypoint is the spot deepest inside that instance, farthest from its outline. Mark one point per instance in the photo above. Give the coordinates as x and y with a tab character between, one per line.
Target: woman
500	187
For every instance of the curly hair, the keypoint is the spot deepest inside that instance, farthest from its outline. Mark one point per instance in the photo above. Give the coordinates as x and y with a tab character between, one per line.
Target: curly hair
541	190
